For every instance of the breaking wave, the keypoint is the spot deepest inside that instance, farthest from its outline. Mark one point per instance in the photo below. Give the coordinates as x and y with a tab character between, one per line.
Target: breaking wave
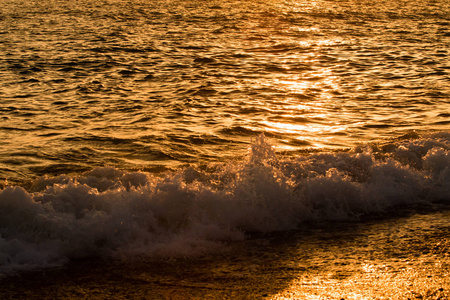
111	213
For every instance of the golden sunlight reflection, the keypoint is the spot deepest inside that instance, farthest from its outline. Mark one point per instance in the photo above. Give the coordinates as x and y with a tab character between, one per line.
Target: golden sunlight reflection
300	129
310	134
322	81
302	6
307	118
374	282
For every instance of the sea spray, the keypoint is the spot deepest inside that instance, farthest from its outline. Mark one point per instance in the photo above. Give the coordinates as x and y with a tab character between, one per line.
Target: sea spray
112	213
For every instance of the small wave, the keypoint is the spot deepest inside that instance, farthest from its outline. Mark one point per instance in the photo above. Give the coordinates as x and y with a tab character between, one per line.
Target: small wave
204	60
115	49
379	126
242	131
108	212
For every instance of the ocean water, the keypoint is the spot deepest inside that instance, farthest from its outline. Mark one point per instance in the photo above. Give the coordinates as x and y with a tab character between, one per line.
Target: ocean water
174	128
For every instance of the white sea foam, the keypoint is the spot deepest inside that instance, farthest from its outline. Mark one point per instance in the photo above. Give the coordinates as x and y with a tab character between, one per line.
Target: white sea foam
112	213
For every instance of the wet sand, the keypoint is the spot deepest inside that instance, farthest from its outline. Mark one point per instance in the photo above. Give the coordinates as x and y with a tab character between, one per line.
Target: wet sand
399	258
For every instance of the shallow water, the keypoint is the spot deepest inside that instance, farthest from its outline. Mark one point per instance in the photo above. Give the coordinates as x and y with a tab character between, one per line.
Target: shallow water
150	84
398	258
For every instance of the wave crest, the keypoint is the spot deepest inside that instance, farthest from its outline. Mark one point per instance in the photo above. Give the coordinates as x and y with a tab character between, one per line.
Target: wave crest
113	213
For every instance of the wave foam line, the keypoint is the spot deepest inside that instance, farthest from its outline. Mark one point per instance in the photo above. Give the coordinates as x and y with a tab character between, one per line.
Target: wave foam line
112	213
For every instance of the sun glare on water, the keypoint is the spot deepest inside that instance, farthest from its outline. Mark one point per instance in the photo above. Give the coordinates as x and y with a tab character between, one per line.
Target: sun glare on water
307	117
